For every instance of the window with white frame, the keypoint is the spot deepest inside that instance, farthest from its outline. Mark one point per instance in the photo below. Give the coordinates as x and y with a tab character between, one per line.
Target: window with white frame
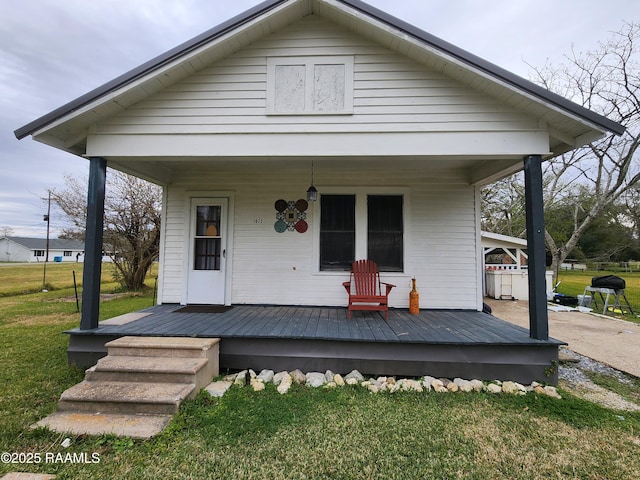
348	233
38	253
67	253
310	85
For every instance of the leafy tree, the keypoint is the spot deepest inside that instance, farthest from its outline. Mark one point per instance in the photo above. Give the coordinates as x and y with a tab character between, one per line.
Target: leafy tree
630	217
609	238
131	222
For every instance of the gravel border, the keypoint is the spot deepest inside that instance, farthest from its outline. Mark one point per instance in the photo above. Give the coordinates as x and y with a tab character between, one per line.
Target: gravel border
572	377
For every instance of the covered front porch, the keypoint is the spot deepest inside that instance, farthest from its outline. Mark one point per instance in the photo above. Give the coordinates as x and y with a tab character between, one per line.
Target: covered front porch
442	343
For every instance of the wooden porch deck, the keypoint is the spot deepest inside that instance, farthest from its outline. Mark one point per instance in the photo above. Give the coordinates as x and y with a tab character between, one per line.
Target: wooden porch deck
445	343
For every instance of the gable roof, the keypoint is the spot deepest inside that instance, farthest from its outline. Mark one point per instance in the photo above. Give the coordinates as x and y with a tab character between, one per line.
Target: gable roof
490	239
41	243
576	125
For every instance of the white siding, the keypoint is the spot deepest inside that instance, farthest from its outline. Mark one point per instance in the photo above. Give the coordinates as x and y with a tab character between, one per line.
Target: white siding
445	245
280	268
12	252
390	94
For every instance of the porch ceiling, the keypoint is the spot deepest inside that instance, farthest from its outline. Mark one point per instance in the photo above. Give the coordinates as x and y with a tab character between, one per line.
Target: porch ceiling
472	170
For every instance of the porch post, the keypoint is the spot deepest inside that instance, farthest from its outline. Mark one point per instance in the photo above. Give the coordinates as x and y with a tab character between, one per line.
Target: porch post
93	244
538	318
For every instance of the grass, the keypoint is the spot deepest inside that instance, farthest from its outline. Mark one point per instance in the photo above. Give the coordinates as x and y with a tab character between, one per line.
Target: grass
22	279
573	282
344	433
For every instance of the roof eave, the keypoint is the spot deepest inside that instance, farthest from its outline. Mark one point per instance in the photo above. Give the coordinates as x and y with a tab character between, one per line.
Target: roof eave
498	237
595	121
598	121
147	67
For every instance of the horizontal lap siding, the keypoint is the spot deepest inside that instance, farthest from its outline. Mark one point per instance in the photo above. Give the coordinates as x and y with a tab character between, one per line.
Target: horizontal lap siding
271	267
390	94
445	245
173	260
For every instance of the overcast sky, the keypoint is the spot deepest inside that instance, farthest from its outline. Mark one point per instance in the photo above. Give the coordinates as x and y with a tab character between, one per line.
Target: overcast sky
53	51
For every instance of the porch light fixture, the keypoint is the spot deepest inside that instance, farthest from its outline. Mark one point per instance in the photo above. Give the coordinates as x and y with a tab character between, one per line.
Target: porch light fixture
312	192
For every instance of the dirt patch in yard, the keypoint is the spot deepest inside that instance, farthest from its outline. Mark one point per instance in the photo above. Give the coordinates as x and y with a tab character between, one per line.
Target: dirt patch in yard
573	376
36	320
104	297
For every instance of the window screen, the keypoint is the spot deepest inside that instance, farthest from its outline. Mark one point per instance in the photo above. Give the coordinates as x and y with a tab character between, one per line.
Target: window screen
385	232
337	232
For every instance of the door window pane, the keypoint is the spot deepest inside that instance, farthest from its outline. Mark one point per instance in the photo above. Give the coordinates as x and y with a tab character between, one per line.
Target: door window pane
208	221
207	254
208	238
337	232
385	232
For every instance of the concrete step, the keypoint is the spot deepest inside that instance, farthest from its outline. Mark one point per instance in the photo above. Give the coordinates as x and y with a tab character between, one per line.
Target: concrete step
184	347
125	398
137	387
170	347
118	368
134	426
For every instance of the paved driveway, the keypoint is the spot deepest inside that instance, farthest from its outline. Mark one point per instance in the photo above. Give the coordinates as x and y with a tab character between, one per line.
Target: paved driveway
605	339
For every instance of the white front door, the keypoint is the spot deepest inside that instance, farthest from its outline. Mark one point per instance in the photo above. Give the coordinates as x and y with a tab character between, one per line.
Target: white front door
208	251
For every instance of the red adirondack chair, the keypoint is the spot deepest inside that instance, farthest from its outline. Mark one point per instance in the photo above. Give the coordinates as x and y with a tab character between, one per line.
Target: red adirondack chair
365	288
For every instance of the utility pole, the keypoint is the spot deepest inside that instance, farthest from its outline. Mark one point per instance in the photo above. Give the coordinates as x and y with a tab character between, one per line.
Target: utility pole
47	218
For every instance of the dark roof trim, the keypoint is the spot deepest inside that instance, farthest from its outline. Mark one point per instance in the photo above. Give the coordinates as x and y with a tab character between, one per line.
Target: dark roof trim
488	67
148	67
41	243
225	27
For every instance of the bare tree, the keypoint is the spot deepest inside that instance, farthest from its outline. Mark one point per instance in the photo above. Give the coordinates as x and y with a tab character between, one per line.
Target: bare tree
503	208
606	80
131	222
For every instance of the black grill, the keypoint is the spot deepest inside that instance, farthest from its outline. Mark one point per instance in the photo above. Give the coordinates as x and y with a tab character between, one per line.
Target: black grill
609	281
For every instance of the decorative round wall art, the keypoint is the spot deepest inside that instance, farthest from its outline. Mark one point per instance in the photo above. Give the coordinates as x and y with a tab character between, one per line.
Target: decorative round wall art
291	216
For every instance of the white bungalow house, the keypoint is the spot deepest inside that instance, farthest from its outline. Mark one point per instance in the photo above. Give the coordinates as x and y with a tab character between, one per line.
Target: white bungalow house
28	249
395	129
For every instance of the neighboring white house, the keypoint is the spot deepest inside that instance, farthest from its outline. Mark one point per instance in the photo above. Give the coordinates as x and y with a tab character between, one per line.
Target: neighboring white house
397	130
26	249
